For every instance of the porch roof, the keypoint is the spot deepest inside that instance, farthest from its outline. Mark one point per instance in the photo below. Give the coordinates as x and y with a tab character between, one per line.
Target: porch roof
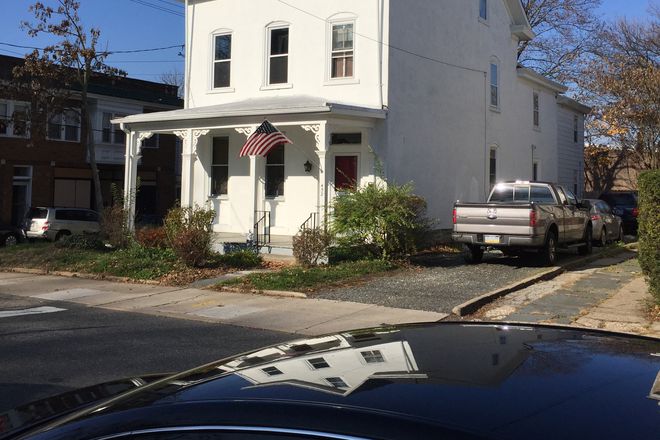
288	105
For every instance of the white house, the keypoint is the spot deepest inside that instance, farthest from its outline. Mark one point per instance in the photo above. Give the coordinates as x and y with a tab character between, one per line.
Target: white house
422	91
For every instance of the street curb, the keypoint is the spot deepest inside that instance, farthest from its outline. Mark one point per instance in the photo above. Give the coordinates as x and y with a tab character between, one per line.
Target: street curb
471	306
82	275
282	293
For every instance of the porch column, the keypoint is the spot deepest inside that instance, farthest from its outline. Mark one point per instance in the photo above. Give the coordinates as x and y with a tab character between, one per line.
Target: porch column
254	178
190	138
321	138
133	155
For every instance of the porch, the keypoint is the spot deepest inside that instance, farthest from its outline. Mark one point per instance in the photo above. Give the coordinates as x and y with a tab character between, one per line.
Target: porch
263	199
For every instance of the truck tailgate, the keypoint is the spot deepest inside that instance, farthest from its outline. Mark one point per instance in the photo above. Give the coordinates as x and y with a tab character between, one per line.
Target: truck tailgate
493	219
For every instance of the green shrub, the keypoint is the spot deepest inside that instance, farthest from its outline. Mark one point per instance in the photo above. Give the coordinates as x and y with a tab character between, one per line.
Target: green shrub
311	245
344	253
649	229
85	241
389	217
189	233
114	221
244	259
152	237
136	262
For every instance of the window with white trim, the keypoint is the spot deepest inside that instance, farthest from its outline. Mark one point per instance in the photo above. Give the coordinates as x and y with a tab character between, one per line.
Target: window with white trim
318	363
342	51
278	55
535	104
64	126
535	171
220	167
221	61
336	382
494	84
14	119
483	9
272	371
372	356
112	134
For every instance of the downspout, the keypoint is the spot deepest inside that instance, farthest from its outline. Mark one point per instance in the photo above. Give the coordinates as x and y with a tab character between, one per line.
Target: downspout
487	149
187	52
381	25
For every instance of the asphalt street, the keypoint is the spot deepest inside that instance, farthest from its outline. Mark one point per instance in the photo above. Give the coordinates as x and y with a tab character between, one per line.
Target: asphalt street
49	347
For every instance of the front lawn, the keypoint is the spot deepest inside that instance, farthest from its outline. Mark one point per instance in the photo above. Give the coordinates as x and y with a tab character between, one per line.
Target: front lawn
136	262
303	279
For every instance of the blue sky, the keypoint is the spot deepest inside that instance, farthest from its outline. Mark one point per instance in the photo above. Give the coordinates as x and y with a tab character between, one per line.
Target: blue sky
128	24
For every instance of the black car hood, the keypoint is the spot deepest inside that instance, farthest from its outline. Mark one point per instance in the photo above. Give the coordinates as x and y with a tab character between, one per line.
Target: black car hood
486	381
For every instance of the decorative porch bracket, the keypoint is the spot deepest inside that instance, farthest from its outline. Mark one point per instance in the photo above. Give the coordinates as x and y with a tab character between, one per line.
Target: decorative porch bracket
190	140
133	154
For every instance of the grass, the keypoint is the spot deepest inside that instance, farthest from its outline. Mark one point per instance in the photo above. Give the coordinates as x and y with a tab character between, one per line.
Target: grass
298	278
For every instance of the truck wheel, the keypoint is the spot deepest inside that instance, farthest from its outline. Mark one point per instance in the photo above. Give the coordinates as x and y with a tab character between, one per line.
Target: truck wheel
473	254
587	247
549	251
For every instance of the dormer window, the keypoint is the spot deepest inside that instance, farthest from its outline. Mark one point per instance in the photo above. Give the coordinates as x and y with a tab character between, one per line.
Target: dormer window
278	57
342	55
221	61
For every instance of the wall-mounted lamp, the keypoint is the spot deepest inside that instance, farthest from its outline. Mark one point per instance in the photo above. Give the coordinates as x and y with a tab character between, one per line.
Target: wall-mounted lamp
308	167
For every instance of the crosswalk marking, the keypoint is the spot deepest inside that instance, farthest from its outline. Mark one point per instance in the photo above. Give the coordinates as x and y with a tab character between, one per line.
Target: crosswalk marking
32	311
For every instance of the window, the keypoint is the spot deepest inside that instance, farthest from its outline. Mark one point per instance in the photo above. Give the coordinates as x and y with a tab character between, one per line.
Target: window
272	371
575	129
65	126
112	134
345	138
275	172
575	181
221	61
521	194
572	200
342	51
494	85
4	117
541	194
278	59
220	166
535	100
535	171
493	167
372	356
318	363
483	9
336	382
14	119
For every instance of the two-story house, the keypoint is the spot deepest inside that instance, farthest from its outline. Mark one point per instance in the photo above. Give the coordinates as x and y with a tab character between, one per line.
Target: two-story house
55	171
421	91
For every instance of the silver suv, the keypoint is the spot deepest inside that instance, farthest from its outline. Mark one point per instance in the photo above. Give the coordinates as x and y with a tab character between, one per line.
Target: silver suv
55	223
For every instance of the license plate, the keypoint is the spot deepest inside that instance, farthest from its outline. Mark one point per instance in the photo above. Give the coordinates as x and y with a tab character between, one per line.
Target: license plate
492	239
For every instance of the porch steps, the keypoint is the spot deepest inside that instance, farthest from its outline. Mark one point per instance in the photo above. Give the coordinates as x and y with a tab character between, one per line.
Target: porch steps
279	245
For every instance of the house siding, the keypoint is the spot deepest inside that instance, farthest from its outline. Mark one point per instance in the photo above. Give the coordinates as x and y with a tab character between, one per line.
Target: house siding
570	154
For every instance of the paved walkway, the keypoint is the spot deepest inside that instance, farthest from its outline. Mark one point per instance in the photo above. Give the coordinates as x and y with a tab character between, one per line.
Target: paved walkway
291	315
609	294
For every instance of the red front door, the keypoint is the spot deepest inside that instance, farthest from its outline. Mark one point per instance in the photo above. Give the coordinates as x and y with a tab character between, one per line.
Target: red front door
346	172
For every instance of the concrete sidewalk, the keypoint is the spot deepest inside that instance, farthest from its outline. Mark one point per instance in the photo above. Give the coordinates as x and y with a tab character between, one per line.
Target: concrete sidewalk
609	293
291	315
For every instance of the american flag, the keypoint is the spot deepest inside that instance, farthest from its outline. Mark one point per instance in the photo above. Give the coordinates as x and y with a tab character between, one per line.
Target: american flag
264	139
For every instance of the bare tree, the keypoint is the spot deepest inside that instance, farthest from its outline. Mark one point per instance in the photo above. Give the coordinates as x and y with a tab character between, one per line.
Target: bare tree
174	78
565	33
58	76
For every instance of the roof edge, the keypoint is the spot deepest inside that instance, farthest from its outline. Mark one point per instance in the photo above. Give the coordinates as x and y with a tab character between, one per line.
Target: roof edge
535	77
574	104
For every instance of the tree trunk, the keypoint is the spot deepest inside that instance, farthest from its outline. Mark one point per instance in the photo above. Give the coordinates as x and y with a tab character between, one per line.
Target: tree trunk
98	194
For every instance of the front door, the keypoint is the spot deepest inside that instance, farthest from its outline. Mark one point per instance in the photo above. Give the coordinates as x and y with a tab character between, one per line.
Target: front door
346	172
20	202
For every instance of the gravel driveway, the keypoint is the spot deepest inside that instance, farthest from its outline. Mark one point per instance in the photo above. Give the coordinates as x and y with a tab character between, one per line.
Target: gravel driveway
441	282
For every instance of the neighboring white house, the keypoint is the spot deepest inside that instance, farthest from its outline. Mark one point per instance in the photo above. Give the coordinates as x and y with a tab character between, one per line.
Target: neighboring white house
421	91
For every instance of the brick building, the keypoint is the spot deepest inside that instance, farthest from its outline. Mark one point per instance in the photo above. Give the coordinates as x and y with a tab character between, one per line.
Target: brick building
56	171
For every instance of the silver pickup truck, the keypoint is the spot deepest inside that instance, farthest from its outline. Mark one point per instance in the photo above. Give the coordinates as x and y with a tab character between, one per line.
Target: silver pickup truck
522	216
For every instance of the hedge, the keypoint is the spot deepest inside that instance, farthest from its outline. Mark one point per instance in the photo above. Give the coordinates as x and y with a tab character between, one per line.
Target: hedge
649	229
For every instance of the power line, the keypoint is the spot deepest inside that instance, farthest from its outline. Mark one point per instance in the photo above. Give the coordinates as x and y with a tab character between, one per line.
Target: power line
144	61
109	52
157	7
409	52
176	5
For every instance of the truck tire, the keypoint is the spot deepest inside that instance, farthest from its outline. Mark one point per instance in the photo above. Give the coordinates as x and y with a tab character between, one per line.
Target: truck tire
549	250
587	247
473	254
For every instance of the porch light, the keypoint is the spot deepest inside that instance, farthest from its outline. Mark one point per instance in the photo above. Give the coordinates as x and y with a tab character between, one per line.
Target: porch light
308	166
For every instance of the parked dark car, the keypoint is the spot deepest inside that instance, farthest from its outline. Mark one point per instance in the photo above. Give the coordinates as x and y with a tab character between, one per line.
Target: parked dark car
608	227
10	235
426	381
624	204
